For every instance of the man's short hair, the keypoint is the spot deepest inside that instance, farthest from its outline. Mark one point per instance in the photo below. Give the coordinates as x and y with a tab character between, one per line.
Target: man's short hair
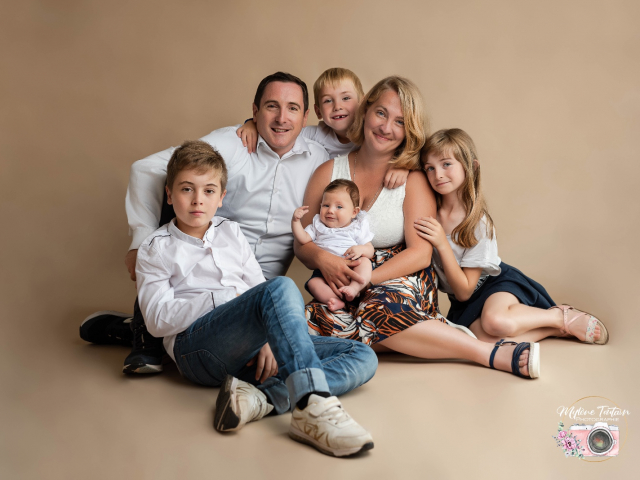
349	186
281	77
332	77
198	156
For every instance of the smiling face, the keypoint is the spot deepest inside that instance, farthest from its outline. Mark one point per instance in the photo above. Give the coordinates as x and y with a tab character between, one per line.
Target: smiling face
337	107
337	209
446	174
195	198
280	116
384	123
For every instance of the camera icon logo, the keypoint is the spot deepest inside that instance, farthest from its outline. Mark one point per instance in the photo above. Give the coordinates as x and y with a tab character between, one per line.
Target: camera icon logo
597	440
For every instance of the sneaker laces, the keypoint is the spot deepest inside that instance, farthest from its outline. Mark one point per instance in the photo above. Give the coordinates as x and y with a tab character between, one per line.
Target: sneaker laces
334	412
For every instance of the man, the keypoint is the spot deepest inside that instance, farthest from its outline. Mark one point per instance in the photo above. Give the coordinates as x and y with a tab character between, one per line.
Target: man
267	186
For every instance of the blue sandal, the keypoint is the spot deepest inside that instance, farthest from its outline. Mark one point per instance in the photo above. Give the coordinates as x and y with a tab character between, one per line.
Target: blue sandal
534	357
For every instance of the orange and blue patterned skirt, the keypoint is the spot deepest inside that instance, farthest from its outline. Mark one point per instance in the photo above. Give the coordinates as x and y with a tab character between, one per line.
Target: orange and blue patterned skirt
382	311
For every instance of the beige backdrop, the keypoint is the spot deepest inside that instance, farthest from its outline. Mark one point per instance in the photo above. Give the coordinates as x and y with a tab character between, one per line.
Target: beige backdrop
548	89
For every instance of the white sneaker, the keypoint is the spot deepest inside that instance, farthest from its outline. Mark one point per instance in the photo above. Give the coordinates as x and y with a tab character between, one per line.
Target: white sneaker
239	403
462	328
326	426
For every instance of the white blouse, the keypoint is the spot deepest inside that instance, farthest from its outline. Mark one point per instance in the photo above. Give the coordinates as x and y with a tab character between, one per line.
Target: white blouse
339	240
386	216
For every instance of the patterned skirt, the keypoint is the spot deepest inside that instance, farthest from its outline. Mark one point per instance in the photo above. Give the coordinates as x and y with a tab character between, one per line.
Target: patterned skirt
383	310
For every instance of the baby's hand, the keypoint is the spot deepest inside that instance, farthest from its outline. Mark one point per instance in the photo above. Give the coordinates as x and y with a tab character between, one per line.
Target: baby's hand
355	252
249	135
395	178
430	229
299	213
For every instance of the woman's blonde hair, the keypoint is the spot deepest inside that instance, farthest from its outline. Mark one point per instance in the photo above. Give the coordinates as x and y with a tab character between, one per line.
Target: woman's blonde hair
407	155
458	143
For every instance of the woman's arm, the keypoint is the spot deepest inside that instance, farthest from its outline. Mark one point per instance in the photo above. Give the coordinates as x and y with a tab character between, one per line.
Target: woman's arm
419	201
335	270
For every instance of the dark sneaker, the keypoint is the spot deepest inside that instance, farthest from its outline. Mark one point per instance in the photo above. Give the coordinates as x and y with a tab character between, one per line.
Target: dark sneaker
147	352
107	328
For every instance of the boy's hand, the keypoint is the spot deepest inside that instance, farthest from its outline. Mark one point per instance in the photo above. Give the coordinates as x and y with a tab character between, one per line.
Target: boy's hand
249	135
266	365
298	213
130	261
355	252
430	229
395	178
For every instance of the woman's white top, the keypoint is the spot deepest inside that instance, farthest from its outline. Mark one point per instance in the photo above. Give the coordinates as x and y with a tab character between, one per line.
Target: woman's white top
484	255
386	216
339	240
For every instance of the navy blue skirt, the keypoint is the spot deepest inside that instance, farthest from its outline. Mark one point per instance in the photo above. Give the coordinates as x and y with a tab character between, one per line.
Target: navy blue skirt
511	280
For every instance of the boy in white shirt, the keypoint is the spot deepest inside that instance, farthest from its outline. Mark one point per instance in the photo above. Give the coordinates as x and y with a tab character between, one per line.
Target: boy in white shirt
201	288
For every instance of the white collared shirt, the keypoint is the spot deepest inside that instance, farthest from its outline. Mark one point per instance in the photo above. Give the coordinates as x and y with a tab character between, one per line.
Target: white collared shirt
180	277
327	137
263	190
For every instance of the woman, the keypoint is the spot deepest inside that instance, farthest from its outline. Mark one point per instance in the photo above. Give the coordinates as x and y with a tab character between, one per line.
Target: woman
390	129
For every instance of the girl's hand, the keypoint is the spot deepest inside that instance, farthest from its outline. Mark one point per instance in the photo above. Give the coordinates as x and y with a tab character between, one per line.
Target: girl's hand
249	135
298	213
395	178
266	364
355	252
430	229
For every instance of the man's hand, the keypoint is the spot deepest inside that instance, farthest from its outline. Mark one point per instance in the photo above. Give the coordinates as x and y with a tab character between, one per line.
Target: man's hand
337	272
266	365
130	261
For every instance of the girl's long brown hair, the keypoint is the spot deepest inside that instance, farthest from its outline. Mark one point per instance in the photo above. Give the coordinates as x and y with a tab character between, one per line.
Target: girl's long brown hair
459	144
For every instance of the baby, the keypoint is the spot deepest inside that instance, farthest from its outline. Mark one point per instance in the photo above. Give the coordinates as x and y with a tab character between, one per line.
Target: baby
342	229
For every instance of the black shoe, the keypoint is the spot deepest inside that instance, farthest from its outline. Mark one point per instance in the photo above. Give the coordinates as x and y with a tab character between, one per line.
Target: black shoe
107	328
147	352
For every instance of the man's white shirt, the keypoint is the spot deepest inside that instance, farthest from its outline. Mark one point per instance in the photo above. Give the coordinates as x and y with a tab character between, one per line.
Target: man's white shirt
263	190
180	277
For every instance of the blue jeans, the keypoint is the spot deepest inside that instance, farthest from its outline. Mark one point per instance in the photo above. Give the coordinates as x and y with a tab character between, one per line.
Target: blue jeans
224	340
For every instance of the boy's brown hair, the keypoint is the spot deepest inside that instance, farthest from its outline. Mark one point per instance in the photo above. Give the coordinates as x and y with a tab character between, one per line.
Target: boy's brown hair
332	77
199	156
349	186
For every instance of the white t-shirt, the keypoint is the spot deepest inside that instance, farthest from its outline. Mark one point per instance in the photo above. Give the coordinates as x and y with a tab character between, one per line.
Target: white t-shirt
326	137
484	255
339	240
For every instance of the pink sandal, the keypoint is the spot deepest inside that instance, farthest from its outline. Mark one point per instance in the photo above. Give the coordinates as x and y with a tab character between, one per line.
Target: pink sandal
591	325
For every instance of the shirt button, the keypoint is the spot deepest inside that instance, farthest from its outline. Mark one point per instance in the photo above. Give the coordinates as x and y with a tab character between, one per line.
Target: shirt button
259	241
270	219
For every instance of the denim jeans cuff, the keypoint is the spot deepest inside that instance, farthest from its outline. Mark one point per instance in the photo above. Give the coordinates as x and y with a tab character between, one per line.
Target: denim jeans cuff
277	394
307	380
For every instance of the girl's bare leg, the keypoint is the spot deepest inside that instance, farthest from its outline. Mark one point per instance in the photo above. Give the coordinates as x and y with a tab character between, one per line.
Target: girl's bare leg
351	291
436	340
504	316
322	292
534	335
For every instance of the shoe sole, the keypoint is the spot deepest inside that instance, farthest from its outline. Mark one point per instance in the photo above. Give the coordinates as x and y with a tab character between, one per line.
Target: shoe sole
141	369
534	360
301	437
225	419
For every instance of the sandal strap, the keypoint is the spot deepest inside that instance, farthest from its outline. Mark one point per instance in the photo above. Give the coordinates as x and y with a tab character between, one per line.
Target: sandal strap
515	359
495	349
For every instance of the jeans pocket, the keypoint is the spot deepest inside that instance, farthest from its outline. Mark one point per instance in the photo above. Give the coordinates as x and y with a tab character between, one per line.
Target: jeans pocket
202	367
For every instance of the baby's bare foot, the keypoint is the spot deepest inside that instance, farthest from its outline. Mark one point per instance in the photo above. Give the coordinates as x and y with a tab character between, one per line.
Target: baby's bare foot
335	304
348	292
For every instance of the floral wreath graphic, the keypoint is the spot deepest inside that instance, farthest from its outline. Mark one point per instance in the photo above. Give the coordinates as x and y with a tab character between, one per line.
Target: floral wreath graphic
572	446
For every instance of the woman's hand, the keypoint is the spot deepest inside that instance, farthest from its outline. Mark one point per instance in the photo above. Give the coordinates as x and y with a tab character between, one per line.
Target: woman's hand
338	272
430	229
248	133
395	178
266	365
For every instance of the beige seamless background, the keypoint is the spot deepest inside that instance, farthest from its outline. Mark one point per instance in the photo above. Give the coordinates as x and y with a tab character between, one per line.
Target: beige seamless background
550	92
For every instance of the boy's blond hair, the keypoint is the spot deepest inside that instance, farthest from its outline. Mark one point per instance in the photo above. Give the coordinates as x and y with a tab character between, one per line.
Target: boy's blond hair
332	77
416	128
